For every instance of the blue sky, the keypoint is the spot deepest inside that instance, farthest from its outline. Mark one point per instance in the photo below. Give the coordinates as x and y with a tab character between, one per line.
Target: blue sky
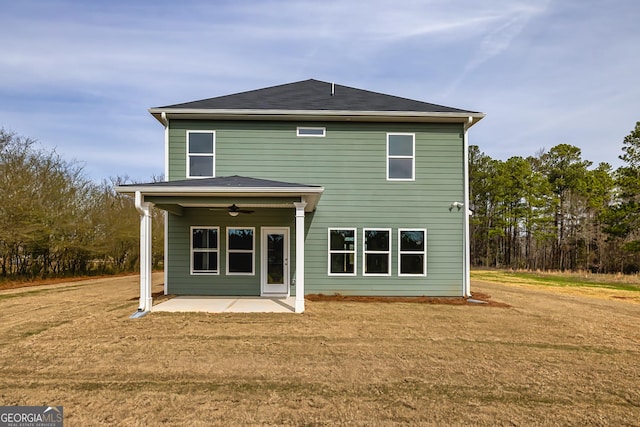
79	75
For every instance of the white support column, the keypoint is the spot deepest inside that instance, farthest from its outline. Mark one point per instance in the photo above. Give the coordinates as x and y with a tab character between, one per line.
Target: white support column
165	262
299	304
144	208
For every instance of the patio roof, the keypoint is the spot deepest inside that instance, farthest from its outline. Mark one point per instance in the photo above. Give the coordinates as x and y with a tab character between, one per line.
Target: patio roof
222	191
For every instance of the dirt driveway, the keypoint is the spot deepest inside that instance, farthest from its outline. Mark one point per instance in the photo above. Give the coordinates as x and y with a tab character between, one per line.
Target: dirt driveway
549	359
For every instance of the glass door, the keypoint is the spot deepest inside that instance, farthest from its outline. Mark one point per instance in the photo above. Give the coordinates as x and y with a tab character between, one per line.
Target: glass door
275	261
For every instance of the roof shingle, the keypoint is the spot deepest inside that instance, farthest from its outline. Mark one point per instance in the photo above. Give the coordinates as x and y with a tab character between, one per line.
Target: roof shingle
233	181
314	95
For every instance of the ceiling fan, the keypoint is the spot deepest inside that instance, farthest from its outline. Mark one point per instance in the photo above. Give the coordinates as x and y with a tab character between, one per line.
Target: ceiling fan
234	210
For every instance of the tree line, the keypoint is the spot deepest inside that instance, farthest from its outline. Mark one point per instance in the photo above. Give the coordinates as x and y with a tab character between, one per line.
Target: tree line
56	222
556	211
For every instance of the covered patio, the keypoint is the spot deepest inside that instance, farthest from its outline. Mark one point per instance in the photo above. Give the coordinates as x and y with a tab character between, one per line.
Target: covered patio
177	197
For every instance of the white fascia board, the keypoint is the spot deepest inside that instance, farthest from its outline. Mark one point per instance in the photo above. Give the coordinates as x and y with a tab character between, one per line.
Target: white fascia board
248	114
178	190
312	195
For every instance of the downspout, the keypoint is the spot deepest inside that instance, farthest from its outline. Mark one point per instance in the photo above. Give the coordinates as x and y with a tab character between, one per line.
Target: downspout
165	122
165	263
467	213
144	209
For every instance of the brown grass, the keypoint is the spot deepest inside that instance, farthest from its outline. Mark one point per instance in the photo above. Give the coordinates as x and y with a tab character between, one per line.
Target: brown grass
549	359
29	283
581	283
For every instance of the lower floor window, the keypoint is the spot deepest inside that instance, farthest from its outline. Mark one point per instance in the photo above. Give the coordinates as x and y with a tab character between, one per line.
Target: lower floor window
342	251
204	250
377	252
412	252
240	250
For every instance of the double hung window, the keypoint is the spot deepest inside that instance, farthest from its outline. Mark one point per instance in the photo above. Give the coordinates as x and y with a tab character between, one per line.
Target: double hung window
201	147
342	251
204	250
377	252
240	251
401	156
412	252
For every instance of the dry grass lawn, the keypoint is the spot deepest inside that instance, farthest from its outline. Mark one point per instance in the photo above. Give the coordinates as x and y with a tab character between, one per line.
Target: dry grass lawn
550	359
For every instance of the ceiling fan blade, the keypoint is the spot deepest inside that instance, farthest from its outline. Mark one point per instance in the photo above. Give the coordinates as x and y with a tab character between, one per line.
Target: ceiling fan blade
233	208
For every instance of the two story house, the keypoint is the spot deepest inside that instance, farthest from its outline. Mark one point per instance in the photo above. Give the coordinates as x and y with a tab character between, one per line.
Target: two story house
310	187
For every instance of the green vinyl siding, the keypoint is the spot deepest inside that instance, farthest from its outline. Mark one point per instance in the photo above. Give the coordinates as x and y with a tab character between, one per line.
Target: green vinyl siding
182	282
350	163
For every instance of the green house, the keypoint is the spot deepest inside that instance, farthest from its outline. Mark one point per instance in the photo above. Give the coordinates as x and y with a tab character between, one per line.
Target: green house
310	187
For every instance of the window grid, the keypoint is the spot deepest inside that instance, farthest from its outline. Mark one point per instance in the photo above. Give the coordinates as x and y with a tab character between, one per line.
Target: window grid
374	254
193	155
408	256
345	252
391	156
232	251
203	251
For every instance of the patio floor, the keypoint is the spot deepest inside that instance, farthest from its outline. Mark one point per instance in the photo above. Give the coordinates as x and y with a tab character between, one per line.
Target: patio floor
210	304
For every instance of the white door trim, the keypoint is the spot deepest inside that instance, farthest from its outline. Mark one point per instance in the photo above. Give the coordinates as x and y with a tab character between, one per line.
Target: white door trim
274	290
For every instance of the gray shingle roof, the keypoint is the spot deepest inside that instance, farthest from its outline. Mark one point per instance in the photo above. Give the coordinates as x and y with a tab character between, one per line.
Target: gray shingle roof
234	181
314	95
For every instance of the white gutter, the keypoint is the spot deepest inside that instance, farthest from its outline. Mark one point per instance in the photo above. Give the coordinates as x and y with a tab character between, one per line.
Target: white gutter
144	208
312	194
467	213
341	115
165	122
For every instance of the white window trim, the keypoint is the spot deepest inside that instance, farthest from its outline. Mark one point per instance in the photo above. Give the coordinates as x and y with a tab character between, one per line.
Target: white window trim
412	157
354	251
324	132
212	155
365	251
244	251
401	252
192	250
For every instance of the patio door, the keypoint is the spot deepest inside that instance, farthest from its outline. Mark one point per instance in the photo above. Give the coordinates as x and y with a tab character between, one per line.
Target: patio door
275	261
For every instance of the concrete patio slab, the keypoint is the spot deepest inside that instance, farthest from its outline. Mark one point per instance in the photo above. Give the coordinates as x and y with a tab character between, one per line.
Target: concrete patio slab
211	304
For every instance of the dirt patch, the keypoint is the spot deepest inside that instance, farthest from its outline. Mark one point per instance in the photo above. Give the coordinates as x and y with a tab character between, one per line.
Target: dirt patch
478	299
17	284
157	296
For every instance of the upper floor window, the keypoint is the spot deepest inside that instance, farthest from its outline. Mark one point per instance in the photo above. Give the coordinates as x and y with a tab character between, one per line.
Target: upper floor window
306	131
401	156
201	147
